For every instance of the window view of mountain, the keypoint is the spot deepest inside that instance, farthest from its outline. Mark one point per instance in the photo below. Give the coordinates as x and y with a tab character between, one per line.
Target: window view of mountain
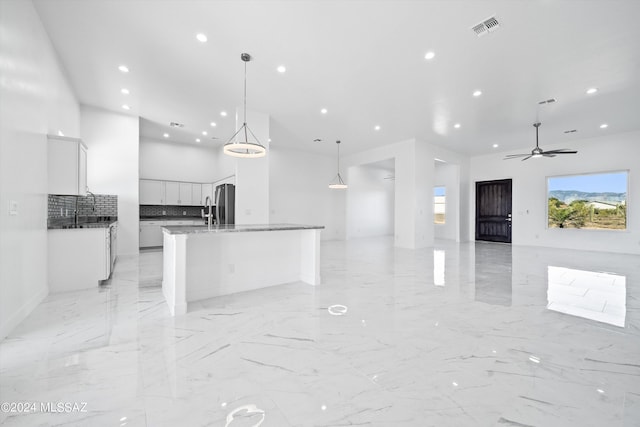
568	196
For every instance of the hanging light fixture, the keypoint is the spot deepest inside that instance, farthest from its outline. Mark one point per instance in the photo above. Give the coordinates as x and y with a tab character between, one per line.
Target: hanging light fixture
242	147
338	182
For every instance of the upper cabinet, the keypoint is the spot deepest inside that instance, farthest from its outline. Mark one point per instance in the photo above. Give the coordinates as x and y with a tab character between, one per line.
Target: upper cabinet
185	194
196	195
151	192
67	166
172	193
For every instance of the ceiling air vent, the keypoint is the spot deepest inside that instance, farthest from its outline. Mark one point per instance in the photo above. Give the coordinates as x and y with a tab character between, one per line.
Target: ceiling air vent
486	26
571	131
176	125
547	101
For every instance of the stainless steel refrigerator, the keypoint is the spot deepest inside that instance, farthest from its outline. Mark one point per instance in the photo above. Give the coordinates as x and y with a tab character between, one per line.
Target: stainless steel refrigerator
225	200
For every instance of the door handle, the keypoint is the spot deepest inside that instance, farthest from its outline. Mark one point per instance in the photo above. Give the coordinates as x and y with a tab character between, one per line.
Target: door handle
508	219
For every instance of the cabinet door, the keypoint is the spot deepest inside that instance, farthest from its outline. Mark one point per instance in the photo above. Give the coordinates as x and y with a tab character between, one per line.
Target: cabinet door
151	192
82	170
150	234
63	166
185	193
172	193
207	190
196	195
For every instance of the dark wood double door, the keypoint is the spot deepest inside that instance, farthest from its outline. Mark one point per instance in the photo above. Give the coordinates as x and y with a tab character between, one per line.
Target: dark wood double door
493	211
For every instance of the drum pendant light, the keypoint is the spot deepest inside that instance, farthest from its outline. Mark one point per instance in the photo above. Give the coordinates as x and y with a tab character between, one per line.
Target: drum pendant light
338	183
239	145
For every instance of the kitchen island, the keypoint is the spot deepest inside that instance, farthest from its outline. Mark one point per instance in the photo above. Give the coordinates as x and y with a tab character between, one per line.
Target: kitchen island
201	262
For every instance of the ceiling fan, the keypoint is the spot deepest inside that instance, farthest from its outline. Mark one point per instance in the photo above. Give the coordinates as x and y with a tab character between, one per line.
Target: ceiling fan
539	152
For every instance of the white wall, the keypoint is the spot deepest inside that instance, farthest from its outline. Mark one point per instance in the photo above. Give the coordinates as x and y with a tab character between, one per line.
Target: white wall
414	170
179	162
447	175
299	191
530	198
112	167
35	100
252	175
370	206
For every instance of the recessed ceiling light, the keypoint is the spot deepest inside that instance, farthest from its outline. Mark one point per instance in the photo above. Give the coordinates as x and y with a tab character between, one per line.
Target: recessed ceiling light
592	90
223	113
124	91
213	124
126	107
429	55
269	139
197	139
495	145
376	127
123	68
477	93
202	38
60	133
282	69
457	126
323	111
166	135
604	126
204	132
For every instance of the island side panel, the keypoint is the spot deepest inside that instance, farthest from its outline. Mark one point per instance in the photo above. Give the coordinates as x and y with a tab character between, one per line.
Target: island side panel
227	263
174	273
310	256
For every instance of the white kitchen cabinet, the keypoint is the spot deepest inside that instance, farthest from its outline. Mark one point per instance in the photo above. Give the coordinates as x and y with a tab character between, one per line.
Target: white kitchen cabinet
78	258
185	193
152	192
67	166
207	190
151	233
172	193
196	195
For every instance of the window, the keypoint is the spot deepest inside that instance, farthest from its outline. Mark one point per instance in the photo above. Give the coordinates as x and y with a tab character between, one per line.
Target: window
439	202
591	201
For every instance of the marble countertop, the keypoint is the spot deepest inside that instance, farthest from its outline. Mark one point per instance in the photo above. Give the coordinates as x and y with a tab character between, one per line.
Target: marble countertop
171	218
235	228
69	226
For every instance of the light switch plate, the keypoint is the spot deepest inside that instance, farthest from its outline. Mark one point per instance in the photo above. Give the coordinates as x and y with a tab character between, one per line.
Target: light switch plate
13	207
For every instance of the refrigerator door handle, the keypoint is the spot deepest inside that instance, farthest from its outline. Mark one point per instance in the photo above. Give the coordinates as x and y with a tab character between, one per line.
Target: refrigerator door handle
218	206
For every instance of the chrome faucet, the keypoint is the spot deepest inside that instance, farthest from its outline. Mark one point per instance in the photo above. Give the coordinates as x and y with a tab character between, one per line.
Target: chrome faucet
93	204
209	215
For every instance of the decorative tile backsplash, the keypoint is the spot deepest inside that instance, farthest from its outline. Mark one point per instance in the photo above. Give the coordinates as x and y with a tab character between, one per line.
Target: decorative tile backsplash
65	206
160	210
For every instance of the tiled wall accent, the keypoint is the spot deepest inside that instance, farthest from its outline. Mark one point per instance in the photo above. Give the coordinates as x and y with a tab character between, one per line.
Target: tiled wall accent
157	210
106	205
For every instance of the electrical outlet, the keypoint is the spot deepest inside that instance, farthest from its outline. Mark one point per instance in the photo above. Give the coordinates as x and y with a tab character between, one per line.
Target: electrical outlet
164	212
184	212
13	207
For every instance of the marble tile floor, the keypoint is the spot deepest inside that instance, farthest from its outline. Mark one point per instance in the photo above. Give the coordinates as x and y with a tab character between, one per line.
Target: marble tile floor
473	334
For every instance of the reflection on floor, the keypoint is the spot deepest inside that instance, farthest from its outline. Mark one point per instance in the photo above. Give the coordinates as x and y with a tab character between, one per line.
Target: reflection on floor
456	335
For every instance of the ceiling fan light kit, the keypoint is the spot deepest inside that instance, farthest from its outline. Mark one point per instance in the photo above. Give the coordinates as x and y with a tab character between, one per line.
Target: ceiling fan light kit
538	152
243	147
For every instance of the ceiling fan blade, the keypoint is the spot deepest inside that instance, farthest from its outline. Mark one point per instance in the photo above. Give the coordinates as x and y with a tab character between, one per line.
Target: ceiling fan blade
528	157
548	154
515	156
562	151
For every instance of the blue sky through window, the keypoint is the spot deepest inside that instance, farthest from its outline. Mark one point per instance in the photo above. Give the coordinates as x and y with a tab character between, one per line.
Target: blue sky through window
615	182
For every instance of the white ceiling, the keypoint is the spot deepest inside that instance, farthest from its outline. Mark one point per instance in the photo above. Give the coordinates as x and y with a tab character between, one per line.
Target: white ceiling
364	62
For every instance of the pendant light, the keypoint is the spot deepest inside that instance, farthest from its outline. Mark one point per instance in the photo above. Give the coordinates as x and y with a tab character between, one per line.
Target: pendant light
338	182
242	147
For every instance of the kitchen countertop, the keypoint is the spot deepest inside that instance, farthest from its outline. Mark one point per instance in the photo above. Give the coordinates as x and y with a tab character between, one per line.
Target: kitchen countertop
234	228
91	224
171	218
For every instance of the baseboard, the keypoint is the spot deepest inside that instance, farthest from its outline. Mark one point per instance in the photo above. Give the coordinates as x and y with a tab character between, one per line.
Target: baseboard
16	318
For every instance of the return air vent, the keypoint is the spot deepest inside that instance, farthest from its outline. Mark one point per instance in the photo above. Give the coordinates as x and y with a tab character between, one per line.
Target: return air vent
176	125
547	101
486	26
571	131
